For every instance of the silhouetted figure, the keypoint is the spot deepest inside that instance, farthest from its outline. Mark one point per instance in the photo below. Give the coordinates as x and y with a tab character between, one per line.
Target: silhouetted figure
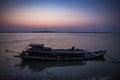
73	48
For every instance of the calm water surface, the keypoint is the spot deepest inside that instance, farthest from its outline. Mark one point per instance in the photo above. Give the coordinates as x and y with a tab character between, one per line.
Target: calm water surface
14	69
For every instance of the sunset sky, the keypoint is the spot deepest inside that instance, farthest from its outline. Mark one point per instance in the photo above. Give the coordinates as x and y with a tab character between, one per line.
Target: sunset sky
60	15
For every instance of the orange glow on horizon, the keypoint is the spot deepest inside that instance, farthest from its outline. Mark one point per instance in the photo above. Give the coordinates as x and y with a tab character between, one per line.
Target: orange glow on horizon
41	23
45	17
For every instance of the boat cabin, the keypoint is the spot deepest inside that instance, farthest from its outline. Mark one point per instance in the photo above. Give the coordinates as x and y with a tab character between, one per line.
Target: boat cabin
38	47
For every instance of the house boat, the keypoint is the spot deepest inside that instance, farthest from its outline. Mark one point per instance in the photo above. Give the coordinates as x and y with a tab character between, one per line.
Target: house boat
40	52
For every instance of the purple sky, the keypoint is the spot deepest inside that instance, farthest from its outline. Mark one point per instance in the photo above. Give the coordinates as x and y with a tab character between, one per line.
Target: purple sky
60	15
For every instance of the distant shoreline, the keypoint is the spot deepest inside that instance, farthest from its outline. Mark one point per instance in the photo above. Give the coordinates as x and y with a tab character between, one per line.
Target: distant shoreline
51	32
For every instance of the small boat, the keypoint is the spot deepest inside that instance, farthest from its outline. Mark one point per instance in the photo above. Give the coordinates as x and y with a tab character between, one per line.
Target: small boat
40	52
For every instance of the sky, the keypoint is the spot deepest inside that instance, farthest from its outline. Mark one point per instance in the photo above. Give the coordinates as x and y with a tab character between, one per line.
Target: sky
60	15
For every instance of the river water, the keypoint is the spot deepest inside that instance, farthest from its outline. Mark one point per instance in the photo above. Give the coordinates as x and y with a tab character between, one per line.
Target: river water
15	69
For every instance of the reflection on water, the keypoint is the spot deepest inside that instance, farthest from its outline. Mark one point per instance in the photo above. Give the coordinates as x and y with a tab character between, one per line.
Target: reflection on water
42	65
42	68
37	66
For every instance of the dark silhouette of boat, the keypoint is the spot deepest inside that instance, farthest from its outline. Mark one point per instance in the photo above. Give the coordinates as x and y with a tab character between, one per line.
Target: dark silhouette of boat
39	52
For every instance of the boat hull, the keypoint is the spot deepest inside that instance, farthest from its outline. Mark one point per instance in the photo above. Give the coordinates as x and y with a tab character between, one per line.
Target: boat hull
27	57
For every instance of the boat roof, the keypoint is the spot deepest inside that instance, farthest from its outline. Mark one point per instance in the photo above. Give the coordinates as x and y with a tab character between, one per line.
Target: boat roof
36	45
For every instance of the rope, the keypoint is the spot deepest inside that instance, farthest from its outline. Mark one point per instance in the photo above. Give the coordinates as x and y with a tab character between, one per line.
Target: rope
11	51
113	59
